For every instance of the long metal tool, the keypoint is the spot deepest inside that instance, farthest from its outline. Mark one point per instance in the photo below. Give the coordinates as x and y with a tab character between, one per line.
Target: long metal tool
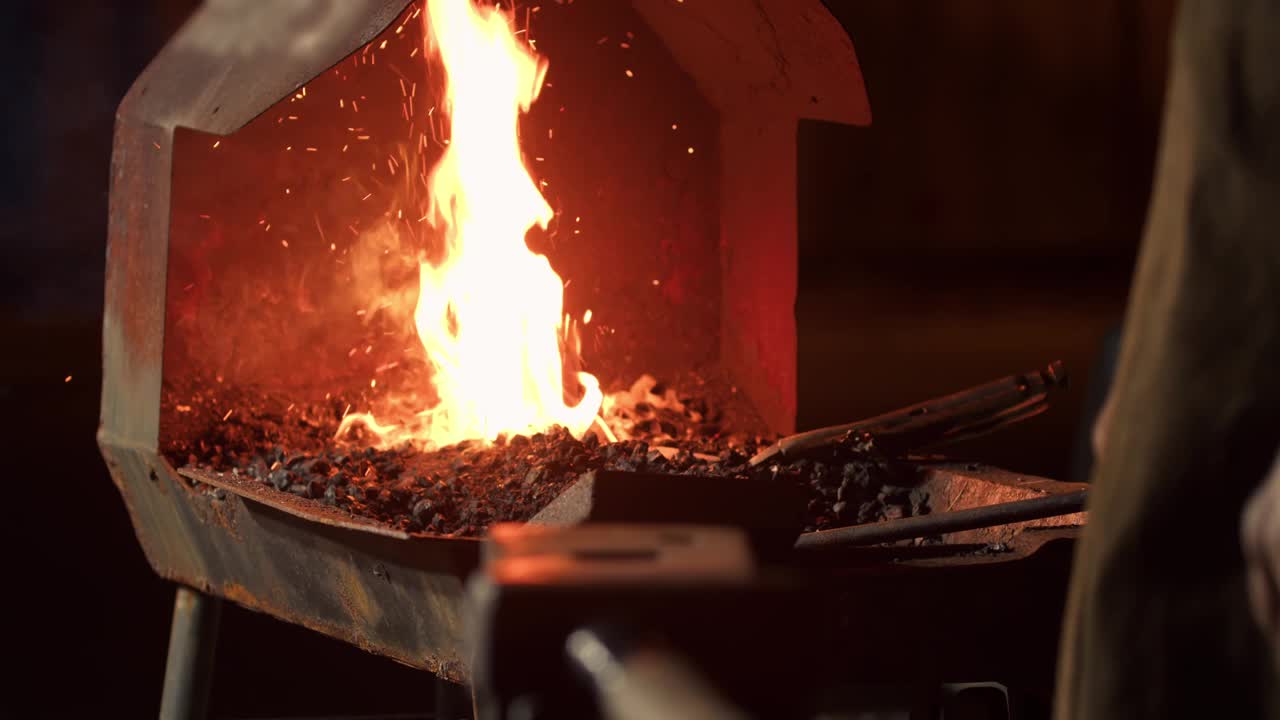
966	414
947	522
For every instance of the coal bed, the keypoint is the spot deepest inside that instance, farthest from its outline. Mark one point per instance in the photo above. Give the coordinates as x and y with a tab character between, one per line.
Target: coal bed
462	489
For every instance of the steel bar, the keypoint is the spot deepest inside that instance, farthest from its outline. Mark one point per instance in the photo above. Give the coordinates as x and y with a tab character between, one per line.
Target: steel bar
188	671
937	524
966	414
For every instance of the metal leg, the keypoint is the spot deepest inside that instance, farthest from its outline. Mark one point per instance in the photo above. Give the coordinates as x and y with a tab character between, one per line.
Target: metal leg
188	671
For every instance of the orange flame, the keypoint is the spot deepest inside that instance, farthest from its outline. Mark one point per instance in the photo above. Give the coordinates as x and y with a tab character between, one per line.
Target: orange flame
489	314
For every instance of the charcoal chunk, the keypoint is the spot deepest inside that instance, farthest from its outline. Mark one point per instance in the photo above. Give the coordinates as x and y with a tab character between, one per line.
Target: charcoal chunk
280	479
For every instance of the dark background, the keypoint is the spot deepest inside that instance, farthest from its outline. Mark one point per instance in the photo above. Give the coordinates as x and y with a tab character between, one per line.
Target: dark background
986	224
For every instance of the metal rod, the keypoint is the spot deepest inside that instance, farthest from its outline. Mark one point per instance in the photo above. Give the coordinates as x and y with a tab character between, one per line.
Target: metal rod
937	524
959	416
188	671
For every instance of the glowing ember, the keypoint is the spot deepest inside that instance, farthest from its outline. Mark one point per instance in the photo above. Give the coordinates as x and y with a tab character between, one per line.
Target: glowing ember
489	312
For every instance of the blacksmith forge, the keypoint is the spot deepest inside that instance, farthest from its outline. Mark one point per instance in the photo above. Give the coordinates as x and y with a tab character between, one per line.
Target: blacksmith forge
664	138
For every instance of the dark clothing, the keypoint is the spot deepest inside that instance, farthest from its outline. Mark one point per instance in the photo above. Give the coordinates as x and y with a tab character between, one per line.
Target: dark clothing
1158	622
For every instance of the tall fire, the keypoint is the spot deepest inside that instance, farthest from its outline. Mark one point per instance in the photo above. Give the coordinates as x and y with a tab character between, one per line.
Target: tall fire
489	311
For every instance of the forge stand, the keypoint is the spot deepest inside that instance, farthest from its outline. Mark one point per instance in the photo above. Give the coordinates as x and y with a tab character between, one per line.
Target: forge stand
193	641
682	621
780	629
606	620
777	633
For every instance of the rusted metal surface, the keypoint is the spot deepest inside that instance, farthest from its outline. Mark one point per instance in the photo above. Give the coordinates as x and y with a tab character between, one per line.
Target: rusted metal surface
785	57
395	596
953	486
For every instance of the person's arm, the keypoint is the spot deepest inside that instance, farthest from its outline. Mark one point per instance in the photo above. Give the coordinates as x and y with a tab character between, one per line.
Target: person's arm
1159	607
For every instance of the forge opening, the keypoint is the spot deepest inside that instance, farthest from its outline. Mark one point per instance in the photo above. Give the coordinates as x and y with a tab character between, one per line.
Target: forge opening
302	245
